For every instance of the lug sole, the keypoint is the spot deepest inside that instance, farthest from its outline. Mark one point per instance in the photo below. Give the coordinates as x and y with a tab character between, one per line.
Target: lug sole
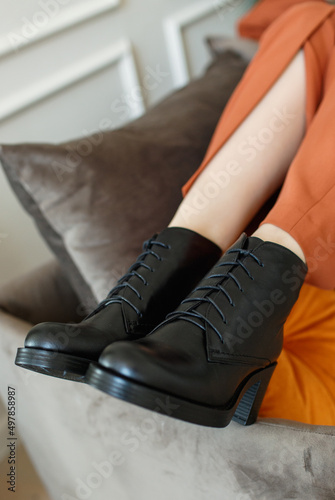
53	363
242	408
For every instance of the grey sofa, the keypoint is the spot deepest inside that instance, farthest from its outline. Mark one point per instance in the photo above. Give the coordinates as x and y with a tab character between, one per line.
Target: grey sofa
87	445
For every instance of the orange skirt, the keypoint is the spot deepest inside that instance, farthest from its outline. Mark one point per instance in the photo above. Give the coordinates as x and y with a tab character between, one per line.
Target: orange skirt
306	203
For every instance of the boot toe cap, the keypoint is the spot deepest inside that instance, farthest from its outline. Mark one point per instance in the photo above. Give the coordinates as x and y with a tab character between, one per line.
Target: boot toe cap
124	358
49	336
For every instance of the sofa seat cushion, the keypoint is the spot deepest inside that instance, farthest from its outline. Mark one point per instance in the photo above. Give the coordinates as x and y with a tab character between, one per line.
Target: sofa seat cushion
302	387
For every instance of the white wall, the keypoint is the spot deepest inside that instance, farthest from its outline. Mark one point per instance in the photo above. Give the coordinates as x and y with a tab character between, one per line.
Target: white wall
65	65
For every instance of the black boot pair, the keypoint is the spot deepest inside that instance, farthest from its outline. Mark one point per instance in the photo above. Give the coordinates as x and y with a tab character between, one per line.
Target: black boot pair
215	352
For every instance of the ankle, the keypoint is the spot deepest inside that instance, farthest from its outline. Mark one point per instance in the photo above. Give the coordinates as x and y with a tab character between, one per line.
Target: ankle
269	232
205	232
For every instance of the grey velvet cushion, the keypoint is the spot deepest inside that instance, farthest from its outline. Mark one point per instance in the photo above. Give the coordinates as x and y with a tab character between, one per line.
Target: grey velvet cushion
43	294
95	201
220	44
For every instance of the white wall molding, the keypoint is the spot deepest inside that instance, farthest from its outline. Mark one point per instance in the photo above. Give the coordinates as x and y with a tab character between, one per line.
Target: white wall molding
67	18
174	26
120	53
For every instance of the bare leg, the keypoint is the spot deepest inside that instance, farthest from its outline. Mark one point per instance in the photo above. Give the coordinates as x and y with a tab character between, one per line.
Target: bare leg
269	232
250	167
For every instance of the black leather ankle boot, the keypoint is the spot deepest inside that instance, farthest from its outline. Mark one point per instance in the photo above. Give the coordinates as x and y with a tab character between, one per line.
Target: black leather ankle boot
212	358
171	264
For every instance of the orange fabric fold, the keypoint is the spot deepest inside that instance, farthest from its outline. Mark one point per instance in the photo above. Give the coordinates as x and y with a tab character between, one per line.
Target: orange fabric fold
303	206
259	18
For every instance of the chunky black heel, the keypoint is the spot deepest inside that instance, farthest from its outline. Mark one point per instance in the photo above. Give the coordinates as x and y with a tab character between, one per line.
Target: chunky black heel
243	410
247	411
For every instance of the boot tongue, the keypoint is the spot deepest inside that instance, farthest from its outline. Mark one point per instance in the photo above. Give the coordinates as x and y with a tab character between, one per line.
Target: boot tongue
252	243
246	243
242	242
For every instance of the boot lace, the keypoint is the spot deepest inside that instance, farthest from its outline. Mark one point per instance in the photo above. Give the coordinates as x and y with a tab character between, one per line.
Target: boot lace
197	301
114	296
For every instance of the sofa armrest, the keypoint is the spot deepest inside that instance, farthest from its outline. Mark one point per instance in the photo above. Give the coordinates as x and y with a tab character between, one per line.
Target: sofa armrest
43	294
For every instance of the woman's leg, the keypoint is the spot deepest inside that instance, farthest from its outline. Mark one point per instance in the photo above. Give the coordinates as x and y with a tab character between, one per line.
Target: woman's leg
301	218
250	166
